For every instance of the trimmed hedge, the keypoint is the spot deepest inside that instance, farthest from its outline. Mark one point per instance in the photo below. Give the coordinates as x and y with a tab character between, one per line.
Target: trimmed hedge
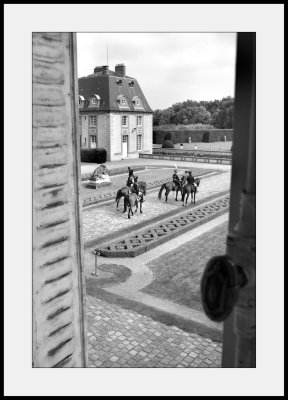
168	144
197	135
168	136
206	137
98	156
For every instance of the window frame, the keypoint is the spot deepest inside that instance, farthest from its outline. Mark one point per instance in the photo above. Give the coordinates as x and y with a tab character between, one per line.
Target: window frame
126	118
92	117
139	137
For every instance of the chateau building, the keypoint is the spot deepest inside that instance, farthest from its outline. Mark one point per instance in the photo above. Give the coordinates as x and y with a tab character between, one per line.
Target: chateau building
114	114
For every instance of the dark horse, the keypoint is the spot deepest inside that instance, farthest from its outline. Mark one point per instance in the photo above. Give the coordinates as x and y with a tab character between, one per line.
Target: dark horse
124	191
190	189
142	186
131	200
171	186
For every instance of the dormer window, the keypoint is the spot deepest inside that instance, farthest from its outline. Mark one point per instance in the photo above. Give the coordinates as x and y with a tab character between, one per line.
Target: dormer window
81	100
95	100
122	101
131	83
119	82
137	101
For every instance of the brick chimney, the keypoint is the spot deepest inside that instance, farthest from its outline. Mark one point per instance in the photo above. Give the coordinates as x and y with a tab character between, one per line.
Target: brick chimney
120	69
103	68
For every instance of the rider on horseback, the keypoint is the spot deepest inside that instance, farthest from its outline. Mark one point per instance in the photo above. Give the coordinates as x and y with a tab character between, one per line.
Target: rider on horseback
176	179
135	185
130	180
190	179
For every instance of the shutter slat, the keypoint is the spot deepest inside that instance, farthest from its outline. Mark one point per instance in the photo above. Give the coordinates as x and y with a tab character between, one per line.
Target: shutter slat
58	319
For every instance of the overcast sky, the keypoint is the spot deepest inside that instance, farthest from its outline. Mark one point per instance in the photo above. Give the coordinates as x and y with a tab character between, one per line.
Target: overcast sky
170	67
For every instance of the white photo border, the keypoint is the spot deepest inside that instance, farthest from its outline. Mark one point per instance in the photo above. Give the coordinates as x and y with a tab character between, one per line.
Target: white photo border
267	20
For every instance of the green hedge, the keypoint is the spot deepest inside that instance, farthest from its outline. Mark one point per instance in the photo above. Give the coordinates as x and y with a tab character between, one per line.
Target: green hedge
168	144
98	156
196	135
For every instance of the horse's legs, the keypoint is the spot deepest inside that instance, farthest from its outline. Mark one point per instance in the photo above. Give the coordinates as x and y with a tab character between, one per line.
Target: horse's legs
130	210
141	207
166	194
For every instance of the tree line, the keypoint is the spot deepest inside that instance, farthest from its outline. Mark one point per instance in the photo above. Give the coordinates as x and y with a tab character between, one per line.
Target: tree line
216	113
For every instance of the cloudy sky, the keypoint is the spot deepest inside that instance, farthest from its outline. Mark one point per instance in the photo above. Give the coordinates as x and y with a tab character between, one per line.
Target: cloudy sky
170	67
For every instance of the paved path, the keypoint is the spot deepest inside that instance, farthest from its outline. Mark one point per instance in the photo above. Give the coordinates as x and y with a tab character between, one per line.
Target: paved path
124	338
90	167
99	221
150	176
121	338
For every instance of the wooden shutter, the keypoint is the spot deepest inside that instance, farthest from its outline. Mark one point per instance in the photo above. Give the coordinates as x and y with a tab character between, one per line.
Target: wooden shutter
58	280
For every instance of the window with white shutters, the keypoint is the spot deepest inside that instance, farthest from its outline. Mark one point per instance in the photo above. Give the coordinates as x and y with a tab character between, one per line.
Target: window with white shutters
59	337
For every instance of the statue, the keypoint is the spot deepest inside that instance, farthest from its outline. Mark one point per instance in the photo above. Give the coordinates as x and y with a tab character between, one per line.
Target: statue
99	177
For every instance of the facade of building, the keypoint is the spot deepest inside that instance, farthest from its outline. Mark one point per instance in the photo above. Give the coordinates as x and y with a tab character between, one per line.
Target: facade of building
114	114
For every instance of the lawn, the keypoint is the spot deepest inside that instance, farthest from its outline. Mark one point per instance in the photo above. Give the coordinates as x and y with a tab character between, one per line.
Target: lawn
178	273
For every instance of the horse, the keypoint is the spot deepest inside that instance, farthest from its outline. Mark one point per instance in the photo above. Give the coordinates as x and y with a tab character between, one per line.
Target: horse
171	186
131	200
142	186
124	191
191	189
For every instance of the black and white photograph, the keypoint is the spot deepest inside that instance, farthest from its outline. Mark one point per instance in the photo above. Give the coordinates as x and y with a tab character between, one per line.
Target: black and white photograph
140	201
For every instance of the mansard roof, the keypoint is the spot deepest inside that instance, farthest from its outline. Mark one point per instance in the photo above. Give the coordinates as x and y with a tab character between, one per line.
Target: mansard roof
110	87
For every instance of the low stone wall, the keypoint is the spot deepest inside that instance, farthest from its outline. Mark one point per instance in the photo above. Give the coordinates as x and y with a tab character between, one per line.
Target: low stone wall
211	159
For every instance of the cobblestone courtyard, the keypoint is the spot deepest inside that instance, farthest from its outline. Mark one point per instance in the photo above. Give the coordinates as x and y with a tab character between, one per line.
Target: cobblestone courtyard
121	336
100	220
